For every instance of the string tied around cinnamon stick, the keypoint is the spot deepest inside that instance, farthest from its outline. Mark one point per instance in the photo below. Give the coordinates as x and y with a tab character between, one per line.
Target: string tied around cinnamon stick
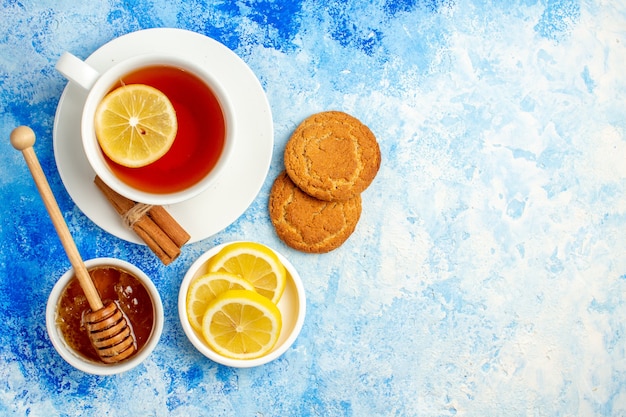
153	224
135	214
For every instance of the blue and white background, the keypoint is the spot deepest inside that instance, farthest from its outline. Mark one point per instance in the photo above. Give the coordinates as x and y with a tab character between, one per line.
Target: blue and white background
487	275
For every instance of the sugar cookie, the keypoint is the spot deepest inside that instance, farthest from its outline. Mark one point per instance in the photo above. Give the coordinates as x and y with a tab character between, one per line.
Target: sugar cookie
332	156
309	224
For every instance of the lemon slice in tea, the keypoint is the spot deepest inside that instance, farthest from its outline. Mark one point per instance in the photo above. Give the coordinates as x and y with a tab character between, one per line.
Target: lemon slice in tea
135	125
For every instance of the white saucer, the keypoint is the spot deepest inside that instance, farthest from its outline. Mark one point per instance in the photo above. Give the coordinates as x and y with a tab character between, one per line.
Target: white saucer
219	206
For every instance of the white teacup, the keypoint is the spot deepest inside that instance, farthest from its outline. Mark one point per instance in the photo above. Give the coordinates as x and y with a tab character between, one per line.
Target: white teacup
98	84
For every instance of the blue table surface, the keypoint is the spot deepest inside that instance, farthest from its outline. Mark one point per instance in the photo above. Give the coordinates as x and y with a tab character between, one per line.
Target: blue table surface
487	274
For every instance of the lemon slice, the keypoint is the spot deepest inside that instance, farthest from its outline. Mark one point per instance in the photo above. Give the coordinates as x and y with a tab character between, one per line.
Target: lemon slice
205	288
254	262
241	324
135	125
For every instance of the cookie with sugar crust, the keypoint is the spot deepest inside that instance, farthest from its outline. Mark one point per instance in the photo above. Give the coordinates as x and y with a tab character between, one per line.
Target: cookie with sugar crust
308	224
332	156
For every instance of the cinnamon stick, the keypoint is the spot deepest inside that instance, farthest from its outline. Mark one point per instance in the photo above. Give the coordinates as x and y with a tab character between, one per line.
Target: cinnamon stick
170	226
157	228
157	241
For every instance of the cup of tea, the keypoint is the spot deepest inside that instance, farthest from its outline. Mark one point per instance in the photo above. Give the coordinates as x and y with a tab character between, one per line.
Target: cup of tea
204	140
116	280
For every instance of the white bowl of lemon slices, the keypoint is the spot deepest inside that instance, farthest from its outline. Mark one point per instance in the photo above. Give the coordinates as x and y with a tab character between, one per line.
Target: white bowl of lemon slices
242	304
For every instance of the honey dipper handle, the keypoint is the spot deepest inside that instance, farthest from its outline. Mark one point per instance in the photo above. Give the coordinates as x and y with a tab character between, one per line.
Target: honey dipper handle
23	139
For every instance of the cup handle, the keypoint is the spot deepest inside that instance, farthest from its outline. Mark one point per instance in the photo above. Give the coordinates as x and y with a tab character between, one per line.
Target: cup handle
76	70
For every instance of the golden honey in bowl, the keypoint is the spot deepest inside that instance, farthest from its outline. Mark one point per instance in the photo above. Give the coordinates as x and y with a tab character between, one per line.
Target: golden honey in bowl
113	284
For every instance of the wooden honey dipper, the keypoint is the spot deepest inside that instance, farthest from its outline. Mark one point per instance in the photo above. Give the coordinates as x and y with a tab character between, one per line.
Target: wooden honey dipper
109	331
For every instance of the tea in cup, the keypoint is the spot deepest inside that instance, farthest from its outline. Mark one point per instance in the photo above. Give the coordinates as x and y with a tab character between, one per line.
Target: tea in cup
204	140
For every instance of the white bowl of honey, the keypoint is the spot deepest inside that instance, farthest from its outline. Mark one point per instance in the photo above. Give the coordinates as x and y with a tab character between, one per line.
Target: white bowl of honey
123	283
